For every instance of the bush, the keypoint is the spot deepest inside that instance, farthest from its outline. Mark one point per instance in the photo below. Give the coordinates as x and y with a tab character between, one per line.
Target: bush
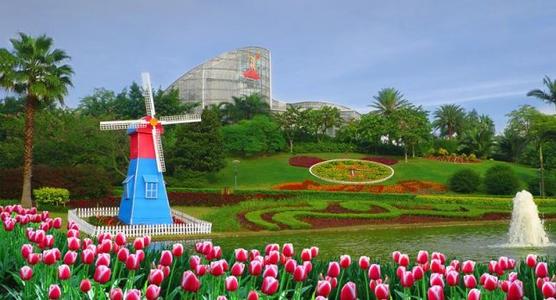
85	181
323	146
304	161
464	181
51	196
501	180
382	160
549	184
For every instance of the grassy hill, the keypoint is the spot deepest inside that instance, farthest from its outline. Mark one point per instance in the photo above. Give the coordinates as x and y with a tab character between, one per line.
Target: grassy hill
264	172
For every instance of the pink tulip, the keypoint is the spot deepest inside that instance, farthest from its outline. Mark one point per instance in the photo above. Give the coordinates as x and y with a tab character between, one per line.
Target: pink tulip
105	246
492	265
166	258
271	247
216	268
194	261
34	258
287	250
491	283
254	253
541	270
345	261
26	273
139	244
54	292
437	279
468	267
270	270
418	272
201	270
116	294
400	270
349	291
156	276
314	251
190	282
407	279
269	286
120	239
57	223
531	260
452	278
26	249
290	265
374	283
252	296
474	294
70	257
273	257
364	262
469	281
103	259
435	292
214	253
299	274
132	262
422	257
237	269
333	269
132	294
455	264
64	272
152	292
541	281
255	268
323	288
515	291
241	255
308	266
549	289
87	257
122	255
403	260
396	256
306	255
374	272
102	274
382	291
49	257
85	285
147	240
231	284
439	256
437	266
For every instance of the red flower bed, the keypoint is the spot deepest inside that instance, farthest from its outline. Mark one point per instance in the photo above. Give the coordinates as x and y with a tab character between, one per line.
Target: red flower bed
304	161
408	186
381	159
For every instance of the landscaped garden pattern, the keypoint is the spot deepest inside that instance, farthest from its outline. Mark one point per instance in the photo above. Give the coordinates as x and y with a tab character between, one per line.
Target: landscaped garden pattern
39	261
351	171
407	186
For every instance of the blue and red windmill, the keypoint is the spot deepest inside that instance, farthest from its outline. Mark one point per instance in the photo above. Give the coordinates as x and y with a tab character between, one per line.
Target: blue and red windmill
144	197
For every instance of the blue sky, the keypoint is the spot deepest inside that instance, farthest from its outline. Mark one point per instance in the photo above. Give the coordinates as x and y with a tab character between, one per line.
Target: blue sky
480	54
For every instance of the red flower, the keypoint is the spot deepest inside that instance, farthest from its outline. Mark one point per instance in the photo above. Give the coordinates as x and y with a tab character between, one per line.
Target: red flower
407	279
323	288
531	260
216	268
102	274
364	262
237	269
422	257
290	265
138	244
231	283
255	268
469	281
491	282
34	258
418	272
515	290
116	294
549	289
403	260
103	259
374	272
120	239
26	249
474	294
270	270
64	272
132	262
85	285
452	278
269	286
177	250
345	261
314	251
349	291
152	292
382	291
287	250
468	267
435	292
122	255
87	256
190	282
541	270
299	274
132	294
70	257
241	255
49	257
166	258
54	292
26	273
156	276
252	296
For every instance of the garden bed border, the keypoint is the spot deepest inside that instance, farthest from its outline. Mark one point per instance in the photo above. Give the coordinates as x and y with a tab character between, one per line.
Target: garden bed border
191	225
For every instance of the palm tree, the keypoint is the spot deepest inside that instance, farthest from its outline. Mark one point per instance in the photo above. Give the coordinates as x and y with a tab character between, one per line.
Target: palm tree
37	72
388	101
449	119
243	107
548	96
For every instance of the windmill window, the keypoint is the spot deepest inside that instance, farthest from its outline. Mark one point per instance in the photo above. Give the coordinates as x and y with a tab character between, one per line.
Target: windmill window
126	187
151	186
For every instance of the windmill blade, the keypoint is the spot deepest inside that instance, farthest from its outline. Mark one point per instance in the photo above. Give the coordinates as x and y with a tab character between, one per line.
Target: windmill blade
157	143
119	125
148	93
190	118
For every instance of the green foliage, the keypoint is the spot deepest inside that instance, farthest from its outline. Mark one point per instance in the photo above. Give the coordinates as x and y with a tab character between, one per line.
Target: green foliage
465	181
549	184
245	107
449	119
198	147
501	180
324	146
51	196
260	135
549	95
389	100
478	136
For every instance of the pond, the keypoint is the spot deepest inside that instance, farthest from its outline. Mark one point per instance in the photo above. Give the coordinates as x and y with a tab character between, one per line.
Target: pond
479	241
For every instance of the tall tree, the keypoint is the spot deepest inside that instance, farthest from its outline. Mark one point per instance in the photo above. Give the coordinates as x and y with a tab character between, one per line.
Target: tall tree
411	126
245	107
449	120
478	138
544	130
547	96
290	123
517	134
330	118
388	100
38	72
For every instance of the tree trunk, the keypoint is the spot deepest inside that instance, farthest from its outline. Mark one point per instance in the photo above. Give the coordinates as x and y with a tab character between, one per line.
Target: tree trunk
30	106
541	160
405	152
291	145
413	151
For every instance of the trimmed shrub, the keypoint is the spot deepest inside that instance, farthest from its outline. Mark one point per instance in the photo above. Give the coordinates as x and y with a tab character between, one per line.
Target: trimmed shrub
51	196
85	181
464	181
323	146
304	161
501	180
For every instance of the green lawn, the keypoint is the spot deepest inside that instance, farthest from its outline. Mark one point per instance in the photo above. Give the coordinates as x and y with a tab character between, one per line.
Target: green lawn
264	172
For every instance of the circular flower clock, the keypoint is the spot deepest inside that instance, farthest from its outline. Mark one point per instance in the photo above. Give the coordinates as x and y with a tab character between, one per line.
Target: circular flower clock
351	171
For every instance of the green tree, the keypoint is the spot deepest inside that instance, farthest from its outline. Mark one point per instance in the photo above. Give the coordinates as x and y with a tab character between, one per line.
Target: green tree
371	128
478	138
38	72
261	135
388	100
330	118
544	130
101	102
410	126
243	108
199	146
289	121
449	119
548	96
513	142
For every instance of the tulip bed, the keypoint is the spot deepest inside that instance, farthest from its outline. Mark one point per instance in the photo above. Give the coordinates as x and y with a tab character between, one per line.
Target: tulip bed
39	261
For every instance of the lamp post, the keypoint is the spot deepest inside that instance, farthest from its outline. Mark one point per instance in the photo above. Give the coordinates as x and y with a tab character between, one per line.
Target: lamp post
236	164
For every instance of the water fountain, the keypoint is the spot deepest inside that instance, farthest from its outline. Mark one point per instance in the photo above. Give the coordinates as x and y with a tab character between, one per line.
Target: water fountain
526	227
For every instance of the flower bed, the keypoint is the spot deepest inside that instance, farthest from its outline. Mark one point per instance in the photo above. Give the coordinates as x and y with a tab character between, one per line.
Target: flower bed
351	171
304	161
453	158
407	186
381	159
57	265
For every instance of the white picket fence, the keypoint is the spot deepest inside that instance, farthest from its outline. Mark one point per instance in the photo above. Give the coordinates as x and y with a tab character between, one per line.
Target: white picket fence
190	226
